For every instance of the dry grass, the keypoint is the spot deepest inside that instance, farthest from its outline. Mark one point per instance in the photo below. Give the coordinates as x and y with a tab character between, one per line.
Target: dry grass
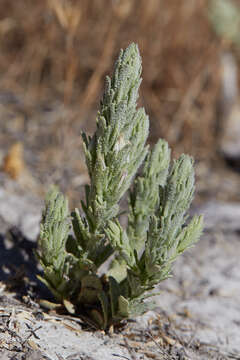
62	49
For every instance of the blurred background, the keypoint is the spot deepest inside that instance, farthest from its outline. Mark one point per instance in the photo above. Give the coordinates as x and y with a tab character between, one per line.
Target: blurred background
54	55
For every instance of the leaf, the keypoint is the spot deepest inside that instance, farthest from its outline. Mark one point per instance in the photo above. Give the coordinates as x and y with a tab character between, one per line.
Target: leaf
105	307
98	318
114	292
91	287
123	307
120	127
145	194
51	252
69	306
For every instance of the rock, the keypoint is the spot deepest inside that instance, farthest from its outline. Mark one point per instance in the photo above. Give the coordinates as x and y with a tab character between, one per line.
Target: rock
24	212
220	216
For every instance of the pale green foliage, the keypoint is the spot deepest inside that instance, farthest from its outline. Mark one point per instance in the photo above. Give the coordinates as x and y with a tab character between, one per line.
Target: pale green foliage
158	202
225	18
166	237
144	197
117	149
54	231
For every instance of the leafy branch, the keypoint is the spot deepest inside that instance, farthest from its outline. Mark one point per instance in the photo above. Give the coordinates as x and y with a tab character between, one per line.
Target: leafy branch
158	201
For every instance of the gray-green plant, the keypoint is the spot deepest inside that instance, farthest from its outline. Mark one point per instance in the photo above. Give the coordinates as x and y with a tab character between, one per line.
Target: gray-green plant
224	16
73	247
